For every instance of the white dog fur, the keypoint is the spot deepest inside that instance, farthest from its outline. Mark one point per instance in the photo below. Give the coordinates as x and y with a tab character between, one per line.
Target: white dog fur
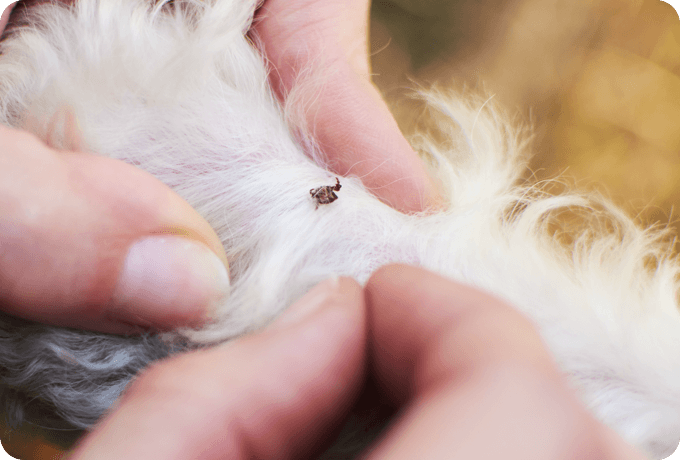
180	92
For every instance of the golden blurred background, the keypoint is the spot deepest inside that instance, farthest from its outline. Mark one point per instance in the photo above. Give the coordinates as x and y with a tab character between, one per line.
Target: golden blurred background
598	79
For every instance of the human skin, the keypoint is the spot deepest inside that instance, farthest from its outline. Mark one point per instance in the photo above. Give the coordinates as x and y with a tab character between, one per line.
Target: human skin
69	222
326	41
5	16
93	243
459	351
469	375
75	254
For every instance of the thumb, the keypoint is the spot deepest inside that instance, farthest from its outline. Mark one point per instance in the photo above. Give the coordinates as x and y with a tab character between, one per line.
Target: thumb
270	395
91	242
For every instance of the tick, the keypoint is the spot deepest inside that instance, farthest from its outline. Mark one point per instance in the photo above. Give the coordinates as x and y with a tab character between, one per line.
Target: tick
326	193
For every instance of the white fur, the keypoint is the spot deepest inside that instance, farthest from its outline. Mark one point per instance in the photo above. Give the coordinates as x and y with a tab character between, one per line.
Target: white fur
185	96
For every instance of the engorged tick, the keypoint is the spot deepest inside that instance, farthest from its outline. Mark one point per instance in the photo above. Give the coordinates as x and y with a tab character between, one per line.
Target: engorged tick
326	193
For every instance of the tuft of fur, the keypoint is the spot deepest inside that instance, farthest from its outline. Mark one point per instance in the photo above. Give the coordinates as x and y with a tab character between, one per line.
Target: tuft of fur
176	89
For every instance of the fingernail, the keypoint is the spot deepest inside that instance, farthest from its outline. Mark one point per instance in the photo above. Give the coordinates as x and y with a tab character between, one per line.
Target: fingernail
311	302
169	279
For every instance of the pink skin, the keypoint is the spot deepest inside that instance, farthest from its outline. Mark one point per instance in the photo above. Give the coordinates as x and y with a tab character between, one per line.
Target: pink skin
470	376
354	126
68	220
349	117
5	16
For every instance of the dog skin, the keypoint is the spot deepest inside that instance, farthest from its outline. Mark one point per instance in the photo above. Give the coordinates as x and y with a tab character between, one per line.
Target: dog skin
179	92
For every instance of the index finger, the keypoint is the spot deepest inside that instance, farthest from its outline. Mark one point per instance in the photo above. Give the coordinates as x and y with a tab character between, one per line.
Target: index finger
308	42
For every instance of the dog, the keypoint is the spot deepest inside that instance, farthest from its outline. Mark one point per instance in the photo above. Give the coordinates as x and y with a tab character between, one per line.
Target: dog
177	89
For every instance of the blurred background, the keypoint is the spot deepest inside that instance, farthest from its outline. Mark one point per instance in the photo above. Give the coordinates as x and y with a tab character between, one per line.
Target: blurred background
599	80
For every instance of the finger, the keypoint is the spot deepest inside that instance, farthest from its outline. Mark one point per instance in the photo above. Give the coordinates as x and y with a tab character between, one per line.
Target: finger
91	242
5	16
417	313
467	368
270	395
359	136
326	41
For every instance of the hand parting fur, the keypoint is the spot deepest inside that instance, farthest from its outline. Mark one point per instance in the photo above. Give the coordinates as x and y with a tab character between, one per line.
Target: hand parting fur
178	90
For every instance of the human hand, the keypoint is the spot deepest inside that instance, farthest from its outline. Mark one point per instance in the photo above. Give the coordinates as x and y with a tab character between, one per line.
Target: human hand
91	242
470	376
355	130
